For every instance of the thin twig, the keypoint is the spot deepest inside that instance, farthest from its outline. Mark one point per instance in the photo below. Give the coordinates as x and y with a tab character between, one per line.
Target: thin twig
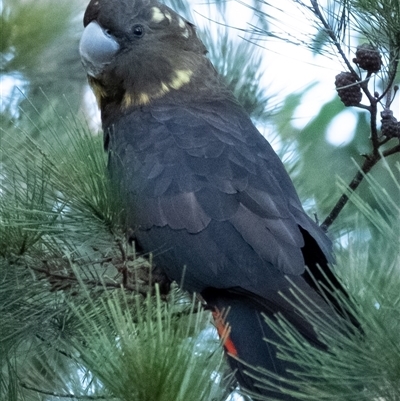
369	162
329	31
374	131
393	65
55	348
108	284
391	151
66	395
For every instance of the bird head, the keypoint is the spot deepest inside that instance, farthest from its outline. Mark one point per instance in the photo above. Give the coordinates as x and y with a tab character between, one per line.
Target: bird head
135	51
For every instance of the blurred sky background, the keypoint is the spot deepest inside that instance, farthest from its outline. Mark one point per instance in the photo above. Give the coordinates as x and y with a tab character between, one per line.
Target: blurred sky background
287	68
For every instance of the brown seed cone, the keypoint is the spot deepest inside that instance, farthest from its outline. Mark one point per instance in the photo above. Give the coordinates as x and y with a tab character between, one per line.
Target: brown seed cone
368	57
348	89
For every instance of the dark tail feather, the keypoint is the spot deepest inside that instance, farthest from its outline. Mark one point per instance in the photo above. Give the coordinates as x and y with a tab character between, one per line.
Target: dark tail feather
321	278
244	341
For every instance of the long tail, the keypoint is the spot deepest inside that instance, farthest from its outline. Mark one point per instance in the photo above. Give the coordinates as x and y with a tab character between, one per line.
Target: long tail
244	340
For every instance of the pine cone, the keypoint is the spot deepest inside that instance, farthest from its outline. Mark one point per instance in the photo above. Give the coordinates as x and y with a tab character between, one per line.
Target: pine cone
390	126
368	57
348	89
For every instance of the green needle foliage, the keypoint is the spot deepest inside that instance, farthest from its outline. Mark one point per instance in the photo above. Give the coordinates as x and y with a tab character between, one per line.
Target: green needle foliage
54	184
144	351
356	364
68	329
79	315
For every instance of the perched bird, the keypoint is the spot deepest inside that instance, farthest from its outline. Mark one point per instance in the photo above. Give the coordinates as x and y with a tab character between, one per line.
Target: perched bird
205	192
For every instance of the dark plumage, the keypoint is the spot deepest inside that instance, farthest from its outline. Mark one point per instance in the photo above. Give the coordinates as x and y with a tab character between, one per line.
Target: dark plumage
204	190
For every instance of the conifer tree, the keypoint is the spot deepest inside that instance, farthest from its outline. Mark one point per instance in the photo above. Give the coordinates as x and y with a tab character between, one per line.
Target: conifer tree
82	316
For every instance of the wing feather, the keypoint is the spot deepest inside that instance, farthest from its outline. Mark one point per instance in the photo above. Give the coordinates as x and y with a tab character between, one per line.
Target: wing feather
194	165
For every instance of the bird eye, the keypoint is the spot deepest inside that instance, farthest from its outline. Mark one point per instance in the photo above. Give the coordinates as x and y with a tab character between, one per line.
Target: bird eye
107	32
138	31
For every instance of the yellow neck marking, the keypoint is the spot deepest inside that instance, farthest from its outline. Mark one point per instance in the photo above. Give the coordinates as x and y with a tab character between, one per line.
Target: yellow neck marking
181	77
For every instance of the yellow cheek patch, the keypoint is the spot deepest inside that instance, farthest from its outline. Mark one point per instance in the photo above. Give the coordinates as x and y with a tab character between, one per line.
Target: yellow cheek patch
139	100
127	101
157	15
181	77
164	88
144	98
98	91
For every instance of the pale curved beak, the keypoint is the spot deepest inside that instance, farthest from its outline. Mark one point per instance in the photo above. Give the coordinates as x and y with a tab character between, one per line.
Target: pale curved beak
97	49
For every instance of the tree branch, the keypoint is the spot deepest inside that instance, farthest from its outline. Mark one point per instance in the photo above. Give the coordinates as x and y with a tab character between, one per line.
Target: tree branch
108	284
377	140
369	162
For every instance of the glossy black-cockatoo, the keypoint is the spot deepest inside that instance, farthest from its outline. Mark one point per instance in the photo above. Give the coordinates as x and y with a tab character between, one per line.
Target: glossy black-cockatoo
204	190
